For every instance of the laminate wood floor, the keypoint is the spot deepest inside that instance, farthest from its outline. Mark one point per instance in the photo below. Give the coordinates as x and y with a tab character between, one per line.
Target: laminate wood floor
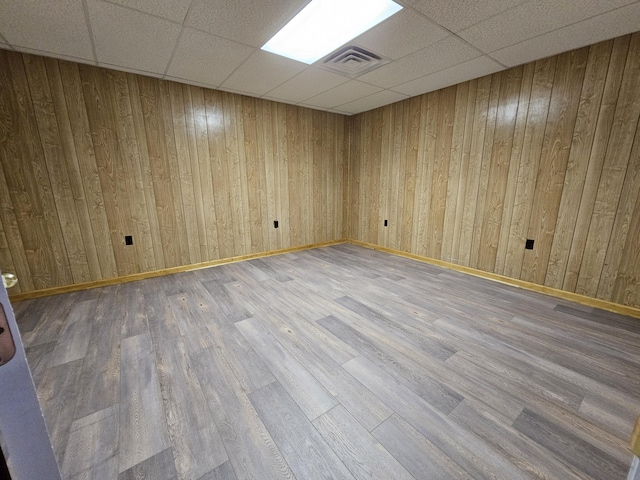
339	362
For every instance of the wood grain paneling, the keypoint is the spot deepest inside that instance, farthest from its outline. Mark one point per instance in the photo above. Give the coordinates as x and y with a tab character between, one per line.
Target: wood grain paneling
89	155
548	151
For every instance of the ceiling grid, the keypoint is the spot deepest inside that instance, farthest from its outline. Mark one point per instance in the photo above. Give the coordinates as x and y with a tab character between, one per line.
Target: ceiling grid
430	44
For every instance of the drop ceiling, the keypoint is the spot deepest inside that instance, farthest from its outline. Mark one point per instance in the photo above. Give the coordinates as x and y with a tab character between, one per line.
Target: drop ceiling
431	44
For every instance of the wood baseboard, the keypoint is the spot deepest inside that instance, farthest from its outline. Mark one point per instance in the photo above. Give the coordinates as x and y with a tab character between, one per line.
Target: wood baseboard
635	439
158	273
574	297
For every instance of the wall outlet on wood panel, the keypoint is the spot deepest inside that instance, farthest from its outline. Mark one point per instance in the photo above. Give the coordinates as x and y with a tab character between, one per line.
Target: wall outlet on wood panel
529	244
385	223
128	240
275	224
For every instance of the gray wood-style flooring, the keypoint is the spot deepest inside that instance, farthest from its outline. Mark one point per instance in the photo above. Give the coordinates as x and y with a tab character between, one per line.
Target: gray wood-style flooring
339	362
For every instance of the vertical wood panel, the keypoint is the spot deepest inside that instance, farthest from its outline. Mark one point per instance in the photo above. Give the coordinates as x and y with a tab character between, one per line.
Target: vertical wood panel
70	160
29	186
88	168
528	167
429	108
50	136
185	175
144	163
565	97
412	118
440	175
453	208
543	151
583	136
615	166
473	173
487	149
514	164
89	155
499	168
596	160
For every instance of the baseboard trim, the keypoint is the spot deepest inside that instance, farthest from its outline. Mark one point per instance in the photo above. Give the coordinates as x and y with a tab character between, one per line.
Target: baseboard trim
18	297
574	297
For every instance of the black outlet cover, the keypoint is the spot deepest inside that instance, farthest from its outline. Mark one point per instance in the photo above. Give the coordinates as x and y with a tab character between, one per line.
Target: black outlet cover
128	240
275	224
385	223
529	244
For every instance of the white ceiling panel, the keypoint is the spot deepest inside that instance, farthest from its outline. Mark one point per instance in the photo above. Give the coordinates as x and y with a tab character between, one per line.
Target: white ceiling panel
347	92
132	70
458	15
174	10
205	58
307	84
61	57
370	102
445	53
532	19
402	34
623	20
130	38
262	72
462	72
249	22
55	27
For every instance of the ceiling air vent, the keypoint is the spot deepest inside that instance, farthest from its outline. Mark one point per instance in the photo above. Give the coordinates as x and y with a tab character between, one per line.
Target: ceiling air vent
352	61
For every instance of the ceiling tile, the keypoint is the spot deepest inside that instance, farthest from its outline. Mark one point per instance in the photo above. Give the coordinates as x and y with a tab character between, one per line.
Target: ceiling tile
623	20
306	84
188	82
532	19
249	22
207	59
370	102
262	72
130	38
174	10
55	27
461	14
132	70
478	67
438	56
35	51
347	92
401	34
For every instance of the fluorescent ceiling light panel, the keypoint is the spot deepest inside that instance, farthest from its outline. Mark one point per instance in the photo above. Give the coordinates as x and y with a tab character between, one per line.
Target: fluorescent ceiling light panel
324	25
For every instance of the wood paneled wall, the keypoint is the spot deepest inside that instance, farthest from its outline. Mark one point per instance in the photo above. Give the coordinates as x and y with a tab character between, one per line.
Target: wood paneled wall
89	155
548	151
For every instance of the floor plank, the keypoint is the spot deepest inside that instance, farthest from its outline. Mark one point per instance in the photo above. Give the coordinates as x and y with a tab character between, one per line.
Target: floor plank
358	449
573	450
143	430
337	362
307	392
300	443
93	445
417	454
158	467
251	449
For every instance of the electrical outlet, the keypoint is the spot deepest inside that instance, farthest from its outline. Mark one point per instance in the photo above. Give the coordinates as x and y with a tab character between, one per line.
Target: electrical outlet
529	244
385	223
128	240
275	224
